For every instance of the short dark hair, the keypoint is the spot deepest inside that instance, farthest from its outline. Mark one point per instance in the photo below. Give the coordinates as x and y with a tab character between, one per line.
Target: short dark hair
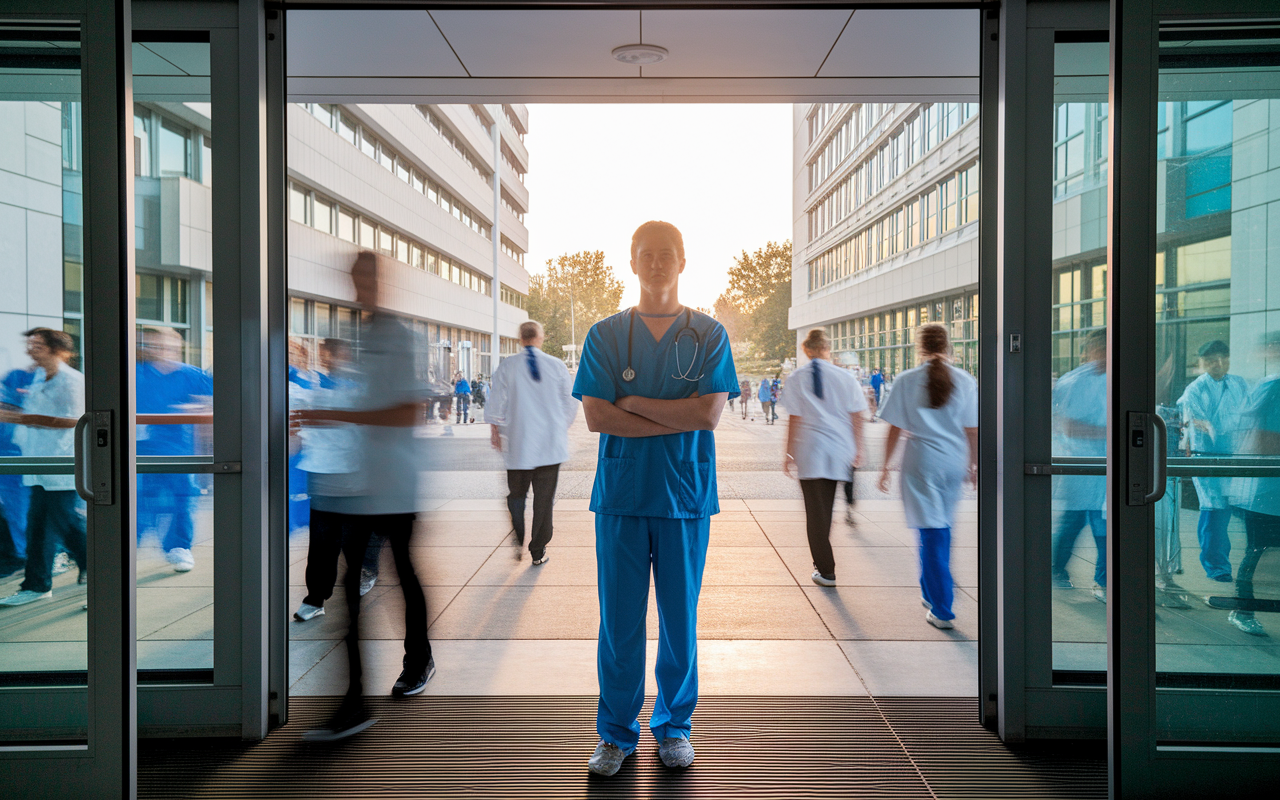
1215	348
657	226
57	341
529	330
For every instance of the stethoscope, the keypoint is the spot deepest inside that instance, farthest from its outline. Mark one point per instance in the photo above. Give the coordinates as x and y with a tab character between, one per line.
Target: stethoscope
629	374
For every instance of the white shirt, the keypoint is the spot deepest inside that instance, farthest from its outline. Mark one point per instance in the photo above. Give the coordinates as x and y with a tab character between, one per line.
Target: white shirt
534	415
935	458
825	447
59	396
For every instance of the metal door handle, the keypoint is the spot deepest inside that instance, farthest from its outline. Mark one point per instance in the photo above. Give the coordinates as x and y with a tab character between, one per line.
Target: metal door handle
1159	462
81	466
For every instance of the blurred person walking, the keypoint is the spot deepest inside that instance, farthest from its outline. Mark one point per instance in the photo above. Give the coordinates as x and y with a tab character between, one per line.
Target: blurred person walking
1258	499
877	383
15	496
532	407
824	441
383	495
653	381
936	404
1211	410
1080	429
765	395
775	390
462	399
167	386
744	396
54	402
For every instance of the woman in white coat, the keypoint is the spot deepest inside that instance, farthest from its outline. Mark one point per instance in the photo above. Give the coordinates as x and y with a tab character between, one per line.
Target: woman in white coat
937	405
824	437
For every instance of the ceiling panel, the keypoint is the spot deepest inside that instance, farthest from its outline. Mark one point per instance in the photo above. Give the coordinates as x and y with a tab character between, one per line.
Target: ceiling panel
368	43
903	42
543	43
743	43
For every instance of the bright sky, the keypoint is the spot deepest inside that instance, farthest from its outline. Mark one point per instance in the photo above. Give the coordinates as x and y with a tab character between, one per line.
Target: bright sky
720	173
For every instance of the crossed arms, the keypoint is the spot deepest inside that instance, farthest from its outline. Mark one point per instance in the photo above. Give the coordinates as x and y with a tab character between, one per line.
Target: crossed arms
634	416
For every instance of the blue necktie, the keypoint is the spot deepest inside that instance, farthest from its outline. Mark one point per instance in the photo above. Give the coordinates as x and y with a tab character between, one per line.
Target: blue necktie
817	380
533	364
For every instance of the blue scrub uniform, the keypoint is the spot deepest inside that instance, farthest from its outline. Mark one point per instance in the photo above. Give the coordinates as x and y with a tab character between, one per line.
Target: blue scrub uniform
653	499
14	496
299	500
168	494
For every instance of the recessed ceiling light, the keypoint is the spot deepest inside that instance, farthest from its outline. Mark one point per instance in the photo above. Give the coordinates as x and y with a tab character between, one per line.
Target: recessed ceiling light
640	55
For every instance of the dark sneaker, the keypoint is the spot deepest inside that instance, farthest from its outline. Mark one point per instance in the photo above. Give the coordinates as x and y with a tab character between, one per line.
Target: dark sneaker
348	720
413	681
542	559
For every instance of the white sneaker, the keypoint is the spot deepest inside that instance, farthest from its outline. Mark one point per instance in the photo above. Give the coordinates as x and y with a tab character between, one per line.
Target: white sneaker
943	624
608	758
1249	625
928	606
537	562
819	579
24	596
676	752
61	563
1100	593
181	559
307	611
368	580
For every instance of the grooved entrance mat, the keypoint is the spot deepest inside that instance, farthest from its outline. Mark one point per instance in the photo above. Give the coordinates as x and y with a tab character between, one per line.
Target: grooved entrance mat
533	747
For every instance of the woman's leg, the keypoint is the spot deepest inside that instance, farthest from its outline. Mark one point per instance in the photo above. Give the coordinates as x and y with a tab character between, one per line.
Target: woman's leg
935	570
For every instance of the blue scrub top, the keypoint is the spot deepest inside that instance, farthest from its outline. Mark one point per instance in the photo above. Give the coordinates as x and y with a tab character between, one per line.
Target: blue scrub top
165	393
12	396
672	476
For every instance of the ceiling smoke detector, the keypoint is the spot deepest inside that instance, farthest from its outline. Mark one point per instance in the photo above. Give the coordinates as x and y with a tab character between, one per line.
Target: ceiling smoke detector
640	55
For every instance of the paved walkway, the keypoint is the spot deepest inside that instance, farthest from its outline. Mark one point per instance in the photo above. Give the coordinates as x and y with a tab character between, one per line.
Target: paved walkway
504	627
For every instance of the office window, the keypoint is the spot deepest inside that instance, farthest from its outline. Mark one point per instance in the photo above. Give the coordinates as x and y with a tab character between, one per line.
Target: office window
386	158
386	242
366	234
346	226
206	160
947	205
368	146
347	128
297	204
432	260
323	112
969	194
402	170
402	250
175	150
913	223
323	216
324	327
142	143
415	256
418	183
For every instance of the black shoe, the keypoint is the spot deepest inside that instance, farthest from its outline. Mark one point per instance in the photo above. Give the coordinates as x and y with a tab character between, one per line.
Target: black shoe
412	681
348	720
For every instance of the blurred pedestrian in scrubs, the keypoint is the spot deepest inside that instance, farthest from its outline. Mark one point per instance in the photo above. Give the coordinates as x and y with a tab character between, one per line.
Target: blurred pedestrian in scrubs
1258	499
653	381
765	395
167	386
14	496
1211	407
936	404
1080	429
302	380
531	407
824	439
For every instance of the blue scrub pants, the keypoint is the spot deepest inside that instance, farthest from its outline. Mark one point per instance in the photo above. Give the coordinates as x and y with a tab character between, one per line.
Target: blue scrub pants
625	549
1070	524
169	495
935	571
14	501
1215	545
299	500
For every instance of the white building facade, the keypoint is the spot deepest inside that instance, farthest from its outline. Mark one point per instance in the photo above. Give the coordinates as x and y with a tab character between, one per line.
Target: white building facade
885	234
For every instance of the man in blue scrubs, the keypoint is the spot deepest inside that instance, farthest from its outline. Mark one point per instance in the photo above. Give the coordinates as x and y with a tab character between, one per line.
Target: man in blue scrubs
653	381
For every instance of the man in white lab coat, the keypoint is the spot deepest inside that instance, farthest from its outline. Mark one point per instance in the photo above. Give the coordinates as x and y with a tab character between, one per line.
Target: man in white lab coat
531	406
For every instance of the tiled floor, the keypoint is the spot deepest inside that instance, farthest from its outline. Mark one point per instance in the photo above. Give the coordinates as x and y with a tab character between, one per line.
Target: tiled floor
504	627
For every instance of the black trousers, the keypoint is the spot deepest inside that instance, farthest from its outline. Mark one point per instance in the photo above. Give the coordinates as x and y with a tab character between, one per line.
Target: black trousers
323	547
848	486
819	500
1261	531
543	480
53	517
397	528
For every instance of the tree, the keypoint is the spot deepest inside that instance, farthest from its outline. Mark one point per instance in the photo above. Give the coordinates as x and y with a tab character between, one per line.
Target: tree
581	279
755	307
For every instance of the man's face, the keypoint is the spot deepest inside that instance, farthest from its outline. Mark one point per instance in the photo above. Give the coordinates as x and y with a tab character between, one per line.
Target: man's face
1217	365
657	262
364	274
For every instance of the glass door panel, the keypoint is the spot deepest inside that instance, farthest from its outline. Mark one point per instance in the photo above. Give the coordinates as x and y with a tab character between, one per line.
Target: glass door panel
173	197
1078	358
43	522
1217	369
